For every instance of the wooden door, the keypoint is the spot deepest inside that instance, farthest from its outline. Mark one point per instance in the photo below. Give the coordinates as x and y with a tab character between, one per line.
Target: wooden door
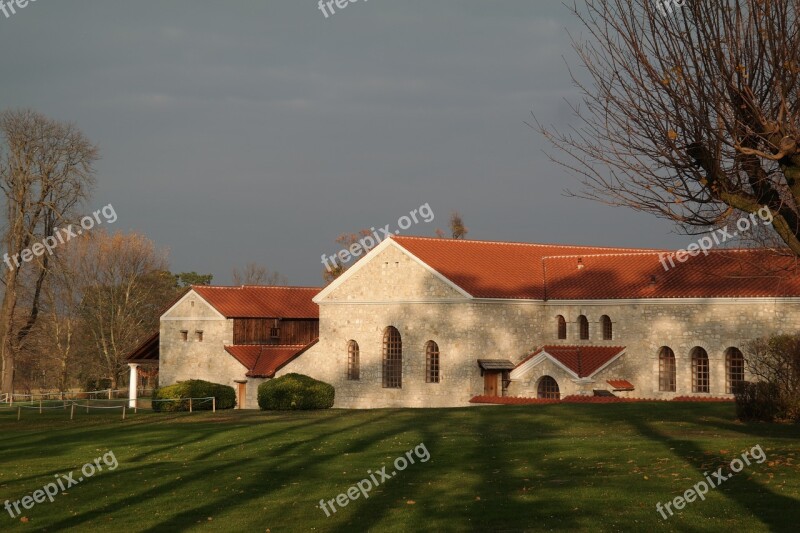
490	383
242	395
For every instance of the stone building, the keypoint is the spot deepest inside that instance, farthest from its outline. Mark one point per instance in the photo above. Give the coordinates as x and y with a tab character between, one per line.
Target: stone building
425	322
237	336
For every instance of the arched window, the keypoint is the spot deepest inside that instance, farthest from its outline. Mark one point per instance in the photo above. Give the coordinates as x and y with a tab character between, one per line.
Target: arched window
392	359
431	362
353	366
561	331
606	328
700	381
548	389
666	369
734	369
583	327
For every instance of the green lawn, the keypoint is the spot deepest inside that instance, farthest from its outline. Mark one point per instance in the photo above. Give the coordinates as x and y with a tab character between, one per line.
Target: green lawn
567	467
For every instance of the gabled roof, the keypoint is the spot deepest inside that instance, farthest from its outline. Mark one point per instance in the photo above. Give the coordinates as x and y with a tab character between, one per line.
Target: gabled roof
580	361
250	301
262	361
557	272
487	269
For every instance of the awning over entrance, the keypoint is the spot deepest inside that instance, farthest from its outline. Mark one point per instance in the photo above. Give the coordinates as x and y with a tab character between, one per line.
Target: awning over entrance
495	364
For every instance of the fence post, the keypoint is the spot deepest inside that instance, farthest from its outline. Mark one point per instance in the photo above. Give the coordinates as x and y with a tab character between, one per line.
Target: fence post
136	406
190	405
109	394
40	406
214	404
123	411
72	412
19	412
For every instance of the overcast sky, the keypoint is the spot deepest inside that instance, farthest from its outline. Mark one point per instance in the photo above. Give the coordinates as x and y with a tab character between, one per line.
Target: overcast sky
259	130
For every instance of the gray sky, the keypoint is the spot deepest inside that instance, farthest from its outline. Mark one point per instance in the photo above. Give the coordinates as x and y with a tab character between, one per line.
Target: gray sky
260	130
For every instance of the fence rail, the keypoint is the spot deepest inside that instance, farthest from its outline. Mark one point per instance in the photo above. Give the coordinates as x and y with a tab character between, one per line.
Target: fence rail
71	404
110	394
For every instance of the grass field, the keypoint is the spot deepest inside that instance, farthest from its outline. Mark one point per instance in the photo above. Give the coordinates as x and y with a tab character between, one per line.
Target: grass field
493	468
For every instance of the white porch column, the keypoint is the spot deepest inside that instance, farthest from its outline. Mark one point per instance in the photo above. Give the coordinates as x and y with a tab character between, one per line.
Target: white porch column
133	385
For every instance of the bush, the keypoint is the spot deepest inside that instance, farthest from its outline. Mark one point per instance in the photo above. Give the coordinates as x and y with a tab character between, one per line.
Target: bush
194	388
774	363
758	401
295	391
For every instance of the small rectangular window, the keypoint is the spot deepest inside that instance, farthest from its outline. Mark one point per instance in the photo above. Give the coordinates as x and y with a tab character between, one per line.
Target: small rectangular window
198	335
184	335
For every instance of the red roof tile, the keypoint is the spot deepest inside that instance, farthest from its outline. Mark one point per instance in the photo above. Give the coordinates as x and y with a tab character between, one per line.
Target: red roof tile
620	384
582	360
261	302
487	269
262	361
722	273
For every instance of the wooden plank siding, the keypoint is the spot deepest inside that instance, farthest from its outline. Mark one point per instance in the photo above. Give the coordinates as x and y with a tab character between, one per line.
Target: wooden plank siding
258	331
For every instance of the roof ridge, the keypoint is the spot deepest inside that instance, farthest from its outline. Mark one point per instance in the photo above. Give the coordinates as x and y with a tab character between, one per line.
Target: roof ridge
264	345
655	252
658	252
519	243
302	287
578	346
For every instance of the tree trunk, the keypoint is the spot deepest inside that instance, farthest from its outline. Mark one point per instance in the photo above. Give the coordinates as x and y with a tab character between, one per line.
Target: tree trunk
6	333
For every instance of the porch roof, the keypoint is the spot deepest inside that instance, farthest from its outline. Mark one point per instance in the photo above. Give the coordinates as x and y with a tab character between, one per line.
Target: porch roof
146	352
495	364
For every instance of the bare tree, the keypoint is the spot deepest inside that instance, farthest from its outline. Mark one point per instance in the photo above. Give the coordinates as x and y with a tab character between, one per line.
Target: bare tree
255	274
124	285
457	228
691	115
346	240
46	172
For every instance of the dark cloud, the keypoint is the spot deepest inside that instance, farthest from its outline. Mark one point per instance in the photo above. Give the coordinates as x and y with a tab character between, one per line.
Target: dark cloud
259	130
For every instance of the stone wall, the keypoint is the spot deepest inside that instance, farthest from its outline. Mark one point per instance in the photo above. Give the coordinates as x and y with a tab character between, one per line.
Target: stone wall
207	359
392	289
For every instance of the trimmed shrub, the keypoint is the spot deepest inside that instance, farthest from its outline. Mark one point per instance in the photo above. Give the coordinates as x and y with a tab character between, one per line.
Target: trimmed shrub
759	401
295	391
194	388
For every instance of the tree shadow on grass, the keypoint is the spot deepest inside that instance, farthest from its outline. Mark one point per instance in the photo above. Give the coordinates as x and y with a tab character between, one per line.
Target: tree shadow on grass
214	473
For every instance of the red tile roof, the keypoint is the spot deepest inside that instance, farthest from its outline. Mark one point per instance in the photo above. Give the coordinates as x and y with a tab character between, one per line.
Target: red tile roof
551	272
262	361
582	360
487	269
723	273
250	301
620	384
